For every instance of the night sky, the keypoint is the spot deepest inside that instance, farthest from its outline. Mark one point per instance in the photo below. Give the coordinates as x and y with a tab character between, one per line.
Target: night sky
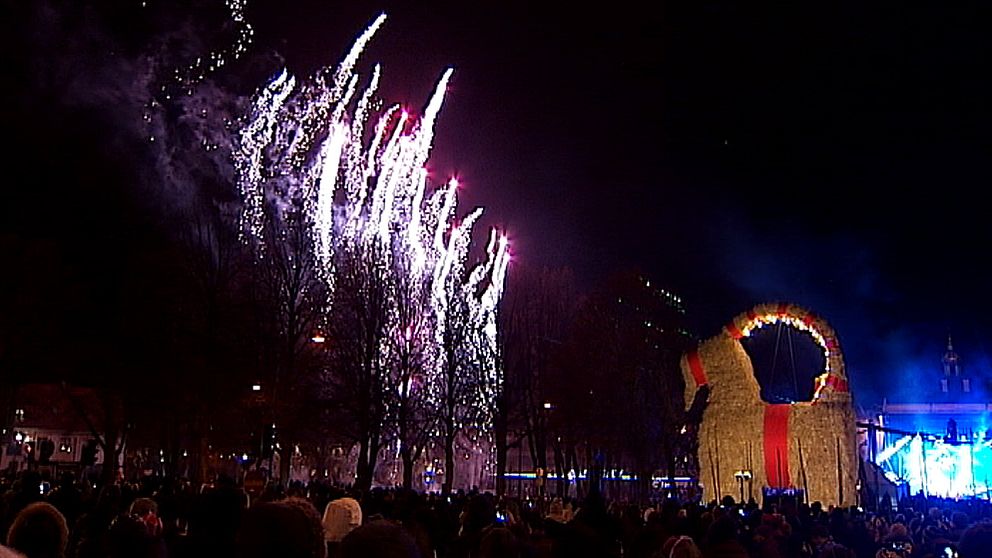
833	157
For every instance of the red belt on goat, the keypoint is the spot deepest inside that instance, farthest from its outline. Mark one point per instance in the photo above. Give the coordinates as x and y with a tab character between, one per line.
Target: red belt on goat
776	439
777	445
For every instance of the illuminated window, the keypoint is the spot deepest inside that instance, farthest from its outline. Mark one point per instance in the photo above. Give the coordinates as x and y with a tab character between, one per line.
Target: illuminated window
943	385
966	385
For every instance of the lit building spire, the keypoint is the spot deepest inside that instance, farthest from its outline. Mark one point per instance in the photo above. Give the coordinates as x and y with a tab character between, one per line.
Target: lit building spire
951	360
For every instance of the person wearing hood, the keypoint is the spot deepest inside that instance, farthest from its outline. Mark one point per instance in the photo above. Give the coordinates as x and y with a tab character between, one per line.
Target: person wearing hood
341	516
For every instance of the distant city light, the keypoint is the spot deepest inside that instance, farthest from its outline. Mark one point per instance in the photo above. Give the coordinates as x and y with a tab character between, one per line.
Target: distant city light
256	387
547	405
318	338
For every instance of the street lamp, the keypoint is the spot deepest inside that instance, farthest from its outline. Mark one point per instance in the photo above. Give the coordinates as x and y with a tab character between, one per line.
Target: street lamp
741	476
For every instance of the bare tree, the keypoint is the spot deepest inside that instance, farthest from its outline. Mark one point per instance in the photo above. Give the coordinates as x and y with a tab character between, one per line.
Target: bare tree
294	300
411	349
359	324
459	384
452	385
624	350
535	317
205	324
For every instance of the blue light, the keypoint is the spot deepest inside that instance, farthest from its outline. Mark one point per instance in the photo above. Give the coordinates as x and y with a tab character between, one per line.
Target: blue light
937	467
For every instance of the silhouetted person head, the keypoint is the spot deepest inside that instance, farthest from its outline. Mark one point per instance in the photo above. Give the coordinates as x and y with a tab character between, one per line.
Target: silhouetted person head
480	512
499	542
976	541
108	501
593	510
722	530
379	539
39	531
678	547
288	528
127	537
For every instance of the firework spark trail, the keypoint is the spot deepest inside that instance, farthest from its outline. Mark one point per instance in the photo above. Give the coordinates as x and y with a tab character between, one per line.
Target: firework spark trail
249	158
305	146
200	68
185	79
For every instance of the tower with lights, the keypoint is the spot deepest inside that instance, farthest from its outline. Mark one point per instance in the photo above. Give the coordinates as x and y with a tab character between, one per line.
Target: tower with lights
934	434
953	393
953	382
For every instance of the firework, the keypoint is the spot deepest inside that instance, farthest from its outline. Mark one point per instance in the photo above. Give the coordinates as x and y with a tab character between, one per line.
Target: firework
325	150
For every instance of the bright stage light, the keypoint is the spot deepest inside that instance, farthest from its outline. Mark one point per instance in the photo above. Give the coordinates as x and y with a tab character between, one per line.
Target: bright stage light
934	467
885	454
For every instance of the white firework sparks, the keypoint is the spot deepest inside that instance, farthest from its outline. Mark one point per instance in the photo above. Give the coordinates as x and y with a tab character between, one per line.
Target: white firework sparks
358	173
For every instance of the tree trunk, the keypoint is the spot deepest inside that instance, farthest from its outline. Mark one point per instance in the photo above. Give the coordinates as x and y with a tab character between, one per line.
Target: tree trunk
541	447
573	459
408	461
643	485
449	461
670	470
366	463
285	465
9	392
200	456
501	452
172	464
560	468
108	471
595	475
363	479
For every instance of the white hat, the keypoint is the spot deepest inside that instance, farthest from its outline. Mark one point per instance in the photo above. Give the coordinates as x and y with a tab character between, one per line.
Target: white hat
340	517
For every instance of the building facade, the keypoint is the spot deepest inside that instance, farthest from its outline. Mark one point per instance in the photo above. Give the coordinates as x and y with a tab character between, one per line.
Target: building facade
935	439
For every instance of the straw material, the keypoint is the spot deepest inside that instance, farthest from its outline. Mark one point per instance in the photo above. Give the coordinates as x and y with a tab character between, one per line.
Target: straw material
821	438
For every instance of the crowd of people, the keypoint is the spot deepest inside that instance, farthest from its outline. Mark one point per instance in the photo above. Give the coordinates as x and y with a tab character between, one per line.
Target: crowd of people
162	518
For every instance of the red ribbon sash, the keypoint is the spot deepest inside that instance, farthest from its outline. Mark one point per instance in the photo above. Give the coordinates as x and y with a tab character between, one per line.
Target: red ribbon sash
777	445
696	367
734	331
836	382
